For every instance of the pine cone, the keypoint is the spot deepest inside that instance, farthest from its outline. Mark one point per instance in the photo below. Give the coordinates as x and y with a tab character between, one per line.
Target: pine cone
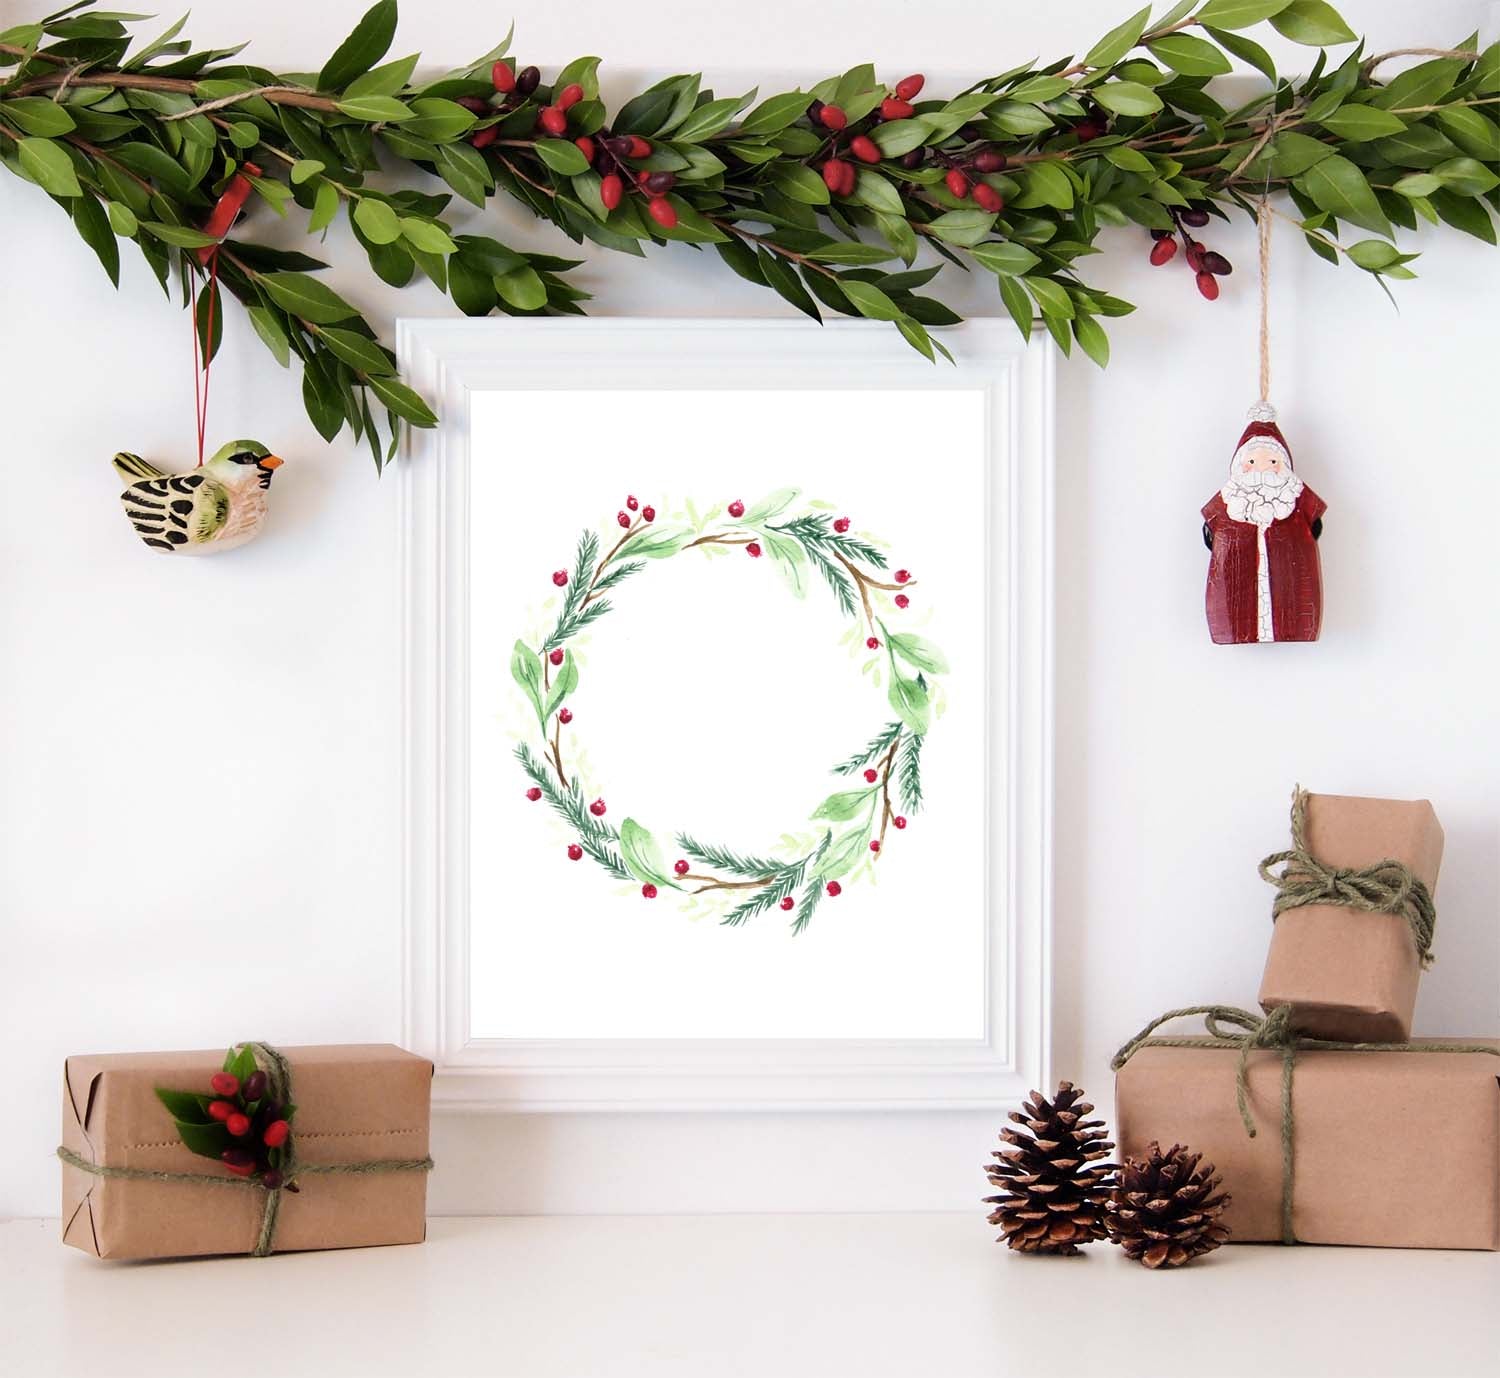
1052	1185
1163	1211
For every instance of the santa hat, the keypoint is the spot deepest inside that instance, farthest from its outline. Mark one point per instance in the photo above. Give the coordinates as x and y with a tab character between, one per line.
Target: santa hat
1262	428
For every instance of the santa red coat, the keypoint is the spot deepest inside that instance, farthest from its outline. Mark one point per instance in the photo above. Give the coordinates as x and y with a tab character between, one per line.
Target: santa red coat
1296	575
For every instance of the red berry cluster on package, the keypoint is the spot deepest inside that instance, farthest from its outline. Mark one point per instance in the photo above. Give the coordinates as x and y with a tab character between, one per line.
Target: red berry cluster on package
241	1122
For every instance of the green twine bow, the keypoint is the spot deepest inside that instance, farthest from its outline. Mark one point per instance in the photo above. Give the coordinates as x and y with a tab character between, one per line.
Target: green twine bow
1387	887
1271	1032
279	1073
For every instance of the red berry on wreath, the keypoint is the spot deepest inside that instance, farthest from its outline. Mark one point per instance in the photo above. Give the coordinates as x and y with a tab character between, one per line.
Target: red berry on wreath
639	148
958	184
238	1124
787	902
863	147
276	1133
556	657
988	198
902	601
648	514
681	867
527	80
597	808
225	1083
1195	216
585	146
565	716
909	88
502	78
659	183
1163	251
832	117
736	509
1195	256
1088	130
575	852
648	890
834	888
836	176
903	575
631	502
623	518
989	160
1208	285
753	550
483	138
899	821
874	844
873	643
1216	263
220	1110
553	120
559	577
871	776
841	525
662	211
533	794
892	108
569	96
611	189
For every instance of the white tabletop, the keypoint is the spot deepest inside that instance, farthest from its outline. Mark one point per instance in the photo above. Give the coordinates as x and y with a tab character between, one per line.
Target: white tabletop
788	1296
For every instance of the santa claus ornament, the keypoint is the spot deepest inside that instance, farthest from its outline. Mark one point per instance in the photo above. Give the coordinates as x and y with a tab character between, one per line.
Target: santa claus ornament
1265	581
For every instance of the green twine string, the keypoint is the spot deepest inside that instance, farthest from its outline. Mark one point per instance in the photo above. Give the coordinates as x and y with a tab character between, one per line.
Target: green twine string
1272	1032
1387	887
279	1074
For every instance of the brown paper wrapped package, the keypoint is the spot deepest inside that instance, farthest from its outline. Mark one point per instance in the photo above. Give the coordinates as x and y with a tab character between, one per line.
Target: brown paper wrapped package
1400	1149
356	1103
1350	975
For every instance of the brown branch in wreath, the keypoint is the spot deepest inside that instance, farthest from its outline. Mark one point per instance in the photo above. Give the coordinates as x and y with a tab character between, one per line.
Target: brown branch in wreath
557	750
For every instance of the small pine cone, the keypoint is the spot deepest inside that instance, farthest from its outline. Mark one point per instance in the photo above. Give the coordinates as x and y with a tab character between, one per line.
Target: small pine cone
1052	1185
1163	1211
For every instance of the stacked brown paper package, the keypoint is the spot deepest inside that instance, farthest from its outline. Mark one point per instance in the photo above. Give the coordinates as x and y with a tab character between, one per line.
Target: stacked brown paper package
1397	1148
356	1103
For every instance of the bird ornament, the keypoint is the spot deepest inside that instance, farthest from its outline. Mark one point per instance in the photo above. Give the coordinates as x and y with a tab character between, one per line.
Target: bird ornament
217	506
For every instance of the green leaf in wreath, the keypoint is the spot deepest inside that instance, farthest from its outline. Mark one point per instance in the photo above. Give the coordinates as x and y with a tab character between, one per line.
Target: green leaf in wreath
526	670
843	854
790	559
48	166
643	858
842	806
917	651
655	542
909	698
770	506
369	42
565	683
186	1106
303	296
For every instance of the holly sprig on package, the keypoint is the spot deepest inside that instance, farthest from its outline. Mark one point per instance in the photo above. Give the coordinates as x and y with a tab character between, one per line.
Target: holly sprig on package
853	822
849	197
239	1122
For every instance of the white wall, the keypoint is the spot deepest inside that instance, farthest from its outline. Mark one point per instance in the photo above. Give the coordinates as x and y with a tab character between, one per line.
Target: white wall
198	809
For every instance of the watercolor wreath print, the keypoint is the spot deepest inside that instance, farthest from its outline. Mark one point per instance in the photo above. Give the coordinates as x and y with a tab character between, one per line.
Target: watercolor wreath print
850	826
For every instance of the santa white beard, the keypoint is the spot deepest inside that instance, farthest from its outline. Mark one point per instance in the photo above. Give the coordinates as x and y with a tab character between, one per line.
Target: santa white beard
1262	496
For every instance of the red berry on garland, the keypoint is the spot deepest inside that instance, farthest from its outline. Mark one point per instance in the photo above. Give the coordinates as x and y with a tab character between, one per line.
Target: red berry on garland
902	601
533	794
276	1133
639	148
241	1167
1208	285
903	575
893	108
648	514
527	80
220	1110
631	502
502	78
899	821
225	1083
611	189
662	211
681	867
585	146
474	105
597	808
909	88
753	550
873	643
575	852
1088	130
486	136
832	117
238	1125
834	888
553	120
863	147
1195	216
556	656
569	96
736	509
841	525
1216	263
623	518
871	776
559	577
648	890
989	160
834	176
787	902
659	183
1195	256
988	198
874	844
565	716
957	183
1163	251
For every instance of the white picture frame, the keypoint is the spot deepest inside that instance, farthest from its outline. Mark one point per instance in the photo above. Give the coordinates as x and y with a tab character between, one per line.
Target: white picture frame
449	361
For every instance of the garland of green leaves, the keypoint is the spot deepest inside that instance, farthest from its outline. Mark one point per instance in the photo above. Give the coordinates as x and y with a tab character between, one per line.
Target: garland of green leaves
889	765
138	146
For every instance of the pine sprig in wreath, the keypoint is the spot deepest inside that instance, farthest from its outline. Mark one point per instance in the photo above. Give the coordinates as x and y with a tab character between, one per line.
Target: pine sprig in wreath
879	745
725	859
788	878
594	835
909	773
814	530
